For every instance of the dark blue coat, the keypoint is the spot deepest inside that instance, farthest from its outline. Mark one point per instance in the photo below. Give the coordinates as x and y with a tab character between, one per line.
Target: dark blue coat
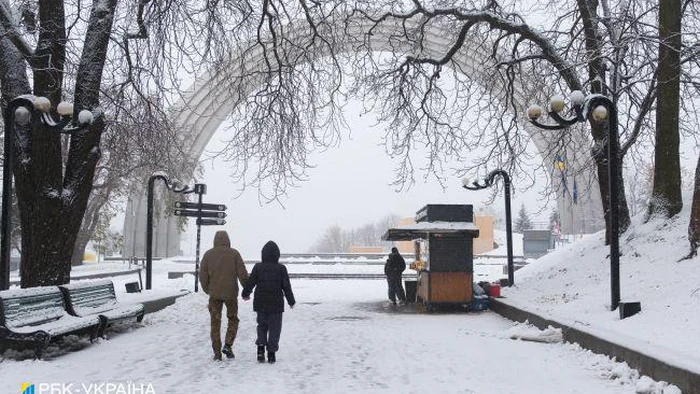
271	282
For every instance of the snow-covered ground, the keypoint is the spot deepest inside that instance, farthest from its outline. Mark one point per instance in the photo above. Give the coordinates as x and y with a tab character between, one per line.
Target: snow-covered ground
340	338
572	285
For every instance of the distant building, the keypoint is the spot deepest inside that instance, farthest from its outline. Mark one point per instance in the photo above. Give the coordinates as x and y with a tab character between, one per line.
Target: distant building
365	249
536	243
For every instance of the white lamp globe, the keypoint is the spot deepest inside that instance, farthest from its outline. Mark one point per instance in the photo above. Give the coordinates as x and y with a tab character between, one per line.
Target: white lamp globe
65	108
42	104
600	113
534	112
22	116
85	117
557	103
577	98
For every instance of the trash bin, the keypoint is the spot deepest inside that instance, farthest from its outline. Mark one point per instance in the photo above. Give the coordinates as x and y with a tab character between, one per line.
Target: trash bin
411	286
494	290
133	287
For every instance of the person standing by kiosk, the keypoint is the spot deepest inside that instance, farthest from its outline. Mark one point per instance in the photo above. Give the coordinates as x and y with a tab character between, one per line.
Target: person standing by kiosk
394	267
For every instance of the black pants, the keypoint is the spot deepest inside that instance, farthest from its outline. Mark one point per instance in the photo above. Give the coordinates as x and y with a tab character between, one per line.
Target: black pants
269	330
395	288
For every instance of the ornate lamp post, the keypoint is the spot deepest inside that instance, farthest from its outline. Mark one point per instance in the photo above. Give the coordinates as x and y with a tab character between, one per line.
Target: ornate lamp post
22	111
600	108
488	182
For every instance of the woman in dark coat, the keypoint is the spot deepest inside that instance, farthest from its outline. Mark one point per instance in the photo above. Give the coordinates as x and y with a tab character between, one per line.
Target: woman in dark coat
271	282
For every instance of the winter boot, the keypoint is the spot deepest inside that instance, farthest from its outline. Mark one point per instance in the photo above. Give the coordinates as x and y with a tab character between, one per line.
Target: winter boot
217	357
271	357
261	353
228	351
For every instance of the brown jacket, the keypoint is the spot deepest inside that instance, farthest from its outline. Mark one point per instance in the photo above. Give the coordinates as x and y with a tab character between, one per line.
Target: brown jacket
222	268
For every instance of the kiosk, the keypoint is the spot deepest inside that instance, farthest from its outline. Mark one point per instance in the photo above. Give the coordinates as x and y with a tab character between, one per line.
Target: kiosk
443	236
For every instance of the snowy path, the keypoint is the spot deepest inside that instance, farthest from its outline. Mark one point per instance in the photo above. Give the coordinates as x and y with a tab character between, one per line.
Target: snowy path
330	343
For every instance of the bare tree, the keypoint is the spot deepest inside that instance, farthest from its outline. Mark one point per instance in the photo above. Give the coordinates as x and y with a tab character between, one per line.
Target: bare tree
138	141
423	90
427	96
333	240
143	49
639	183
337	240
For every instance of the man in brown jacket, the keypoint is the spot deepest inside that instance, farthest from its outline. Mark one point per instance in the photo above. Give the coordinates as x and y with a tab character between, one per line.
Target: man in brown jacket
221	270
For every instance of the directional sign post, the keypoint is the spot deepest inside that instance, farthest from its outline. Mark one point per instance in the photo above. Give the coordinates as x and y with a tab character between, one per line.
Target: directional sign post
206	214
199	214
210	222
196	206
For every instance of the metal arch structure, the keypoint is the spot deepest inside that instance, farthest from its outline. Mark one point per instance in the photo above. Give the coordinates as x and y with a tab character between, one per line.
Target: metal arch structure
211	99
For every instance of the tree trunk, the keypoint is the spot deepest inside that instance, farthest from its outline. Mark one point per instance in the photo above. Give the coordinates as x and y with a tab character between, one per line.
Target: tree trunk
599	132
80	244
694	225
52	198
98	199
666	196
48	236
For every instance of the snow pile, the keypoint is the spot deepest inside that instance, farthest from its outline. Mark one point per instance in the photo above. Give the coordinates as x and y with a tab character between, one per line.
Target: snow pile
572	285
646	385
528	332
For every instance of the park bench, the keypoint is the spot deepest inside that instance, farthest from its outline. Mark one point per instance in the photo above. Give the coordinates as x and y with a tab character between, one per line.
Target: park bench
97	298
37	316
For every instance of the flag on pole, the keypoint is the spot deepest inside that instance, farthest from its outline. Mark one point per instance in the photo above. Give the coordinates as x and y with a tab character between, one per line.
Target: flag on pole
559	163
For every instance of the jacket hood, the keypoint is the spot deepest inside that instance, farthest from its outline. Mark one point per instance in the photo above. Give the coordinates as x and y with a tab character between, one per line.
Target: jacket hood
270	253
221	239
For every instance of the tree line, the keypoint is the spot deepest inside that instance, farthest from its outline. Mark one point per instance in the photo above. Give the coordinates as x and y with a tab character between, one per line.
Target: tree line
335	239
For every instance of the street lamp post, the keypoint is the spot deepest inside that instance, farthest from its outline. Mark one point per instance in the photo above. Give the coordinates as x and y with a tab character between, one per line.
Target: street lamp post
173	186
600	108
20	111
488	182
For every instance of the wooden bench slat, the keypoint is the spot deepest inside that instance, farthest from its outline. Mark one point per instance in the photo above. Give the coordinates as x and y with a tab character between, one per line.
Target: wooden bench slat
99	298
32	309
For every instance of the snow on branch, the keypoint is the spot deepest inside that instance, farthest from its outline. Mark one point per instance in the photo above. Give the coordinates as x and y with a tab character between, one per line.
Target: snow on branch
11	26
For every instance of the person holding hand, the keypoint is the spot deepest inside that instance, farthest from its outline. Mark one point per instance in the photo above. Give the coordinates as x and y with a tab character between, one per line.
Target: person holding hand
271	282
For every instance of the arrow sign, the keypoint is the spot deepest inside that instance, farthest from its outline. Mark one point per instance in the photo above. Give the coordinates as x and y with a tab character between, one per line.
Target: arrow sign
210	222
198	214
204	206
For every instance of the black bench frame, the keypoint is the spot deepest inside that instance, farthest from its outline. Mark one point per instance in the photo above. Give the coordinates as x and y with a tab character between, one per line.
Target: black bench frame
40	339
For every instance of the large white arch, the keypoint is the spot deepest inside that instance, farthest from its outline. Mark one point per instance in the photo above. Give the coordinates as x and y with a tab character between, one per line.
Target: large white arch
210	100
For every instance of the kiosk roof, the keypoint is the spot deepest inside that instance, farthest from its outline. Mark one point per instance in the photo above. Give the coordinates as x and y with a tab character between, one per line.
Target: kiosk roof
422	229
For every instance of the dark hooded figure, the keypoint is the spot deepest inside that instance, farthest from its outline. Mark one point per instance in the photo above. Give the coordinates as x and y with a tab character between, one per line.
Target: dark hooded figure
394	267
271	282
